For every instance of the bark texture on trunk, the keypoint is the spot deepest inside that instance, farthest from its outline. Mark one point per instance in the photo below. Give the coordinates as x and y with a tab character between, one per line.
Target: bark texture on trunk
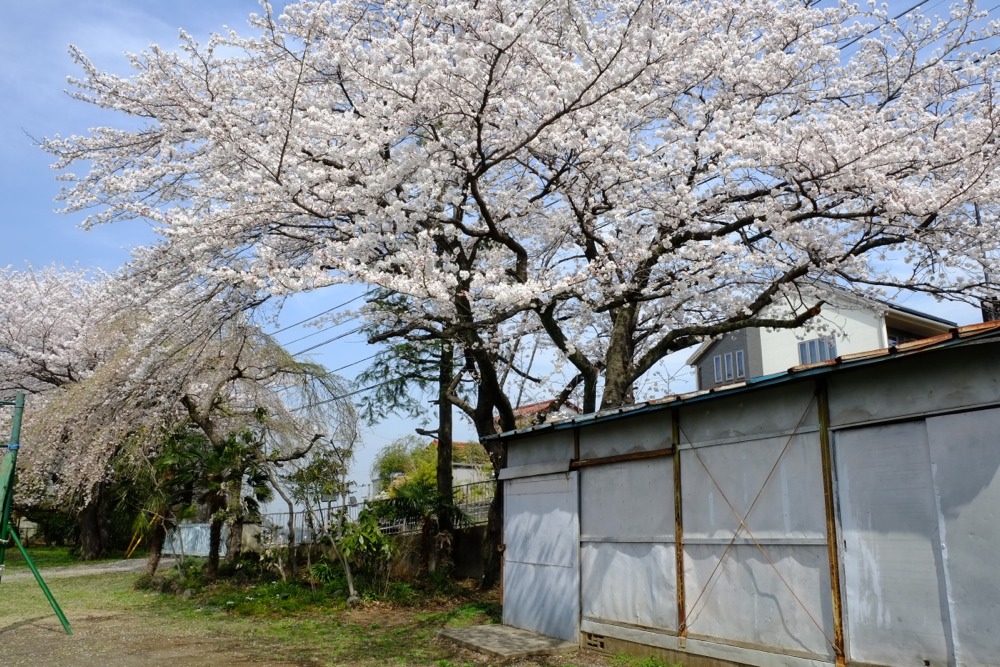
214	543
157	537
494	546
95	529
618	377
445	482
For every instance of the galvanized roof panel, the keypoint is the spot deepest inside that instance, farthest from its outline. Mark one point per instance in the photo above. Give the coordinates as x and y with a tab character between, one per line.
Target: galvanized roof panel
956	336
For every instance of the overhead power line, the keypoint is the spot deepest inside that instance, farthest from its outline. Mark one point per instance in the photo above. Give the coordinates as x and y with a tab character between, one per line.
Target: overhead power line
343	396
320	314
329	340
897	16
310	335
355	363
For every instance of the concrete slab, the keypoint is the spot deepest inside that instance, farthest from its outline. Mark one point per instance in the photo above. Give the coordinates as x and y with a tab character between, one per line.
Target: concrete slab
504	641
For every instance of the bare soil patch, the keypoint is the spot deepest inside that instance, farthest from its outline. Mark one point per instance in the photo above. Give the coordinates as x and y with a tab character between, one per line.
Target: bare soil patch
125	640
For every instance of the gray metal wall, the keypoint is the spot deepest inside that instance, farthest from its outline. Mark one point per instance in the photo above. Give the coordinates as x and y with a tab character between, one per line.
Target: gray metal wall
191	539
755	554
913	469
920	529
541	560
627	546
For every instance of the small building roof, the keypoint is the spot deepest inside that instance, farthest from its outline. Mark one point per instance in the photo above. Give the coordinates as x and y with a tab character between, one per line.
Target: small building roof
969	334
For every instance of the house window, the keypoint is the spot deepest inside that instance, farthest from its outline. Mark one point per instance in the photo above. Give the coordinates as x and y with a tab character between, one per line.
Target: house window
729	365
816	350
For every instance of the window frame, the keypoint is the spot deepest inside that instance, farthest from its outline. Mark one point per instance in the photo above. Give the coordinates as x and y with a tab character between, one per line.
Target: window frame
729	366
817	350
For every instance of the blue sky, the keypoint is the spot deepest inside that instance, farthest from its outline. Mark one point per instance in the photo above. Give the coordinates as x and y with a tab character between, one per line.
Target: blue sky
34	40
34	37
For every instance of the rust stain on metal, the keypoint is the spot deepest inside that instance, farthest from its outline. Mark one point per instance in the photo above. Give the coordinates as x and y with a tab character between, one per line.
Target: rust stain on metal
973	329
678	527
617	458
832	540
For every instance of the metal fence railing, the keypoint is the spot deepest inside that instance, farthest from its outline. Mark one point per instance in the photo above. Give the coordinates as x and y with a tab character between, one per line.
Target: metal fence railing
473	500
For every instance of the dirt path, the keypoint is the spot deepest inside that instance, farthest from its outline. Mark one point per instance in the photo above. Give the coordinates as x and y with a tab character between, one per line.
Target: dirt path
61	572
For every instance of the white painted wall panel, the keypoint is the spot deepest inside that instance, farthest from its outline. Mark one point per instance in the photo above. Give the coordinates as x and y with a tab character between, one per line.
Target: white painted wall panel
788	505
541	561
543	599
965	463
631	500
749	415
735	592
891	560
546	447
630	583
627	518
541	523
646	433
747	599
915	387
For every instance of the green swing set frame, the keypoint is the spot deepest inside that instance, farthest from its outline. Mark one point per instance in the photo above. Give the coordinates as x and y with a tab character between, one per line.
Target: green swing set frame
8	465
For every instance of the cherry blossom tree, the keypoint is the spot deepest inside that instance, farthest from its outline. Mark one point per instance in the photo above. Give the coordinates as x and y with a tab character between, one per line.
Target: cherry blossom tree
638	175
55	335
49	326
115	372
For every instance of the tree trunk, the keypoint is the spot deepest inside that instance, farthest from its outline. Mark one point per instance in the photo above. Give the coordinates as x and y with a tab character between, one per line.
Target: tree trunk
490	397
214	544
494	546
445	485
95	534
618	377
234	542
276	485
216	522
157	537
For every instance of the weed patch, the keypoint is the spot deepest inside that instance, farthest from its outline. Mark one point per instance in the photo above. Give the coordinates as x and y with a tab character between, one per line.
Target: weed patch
624	660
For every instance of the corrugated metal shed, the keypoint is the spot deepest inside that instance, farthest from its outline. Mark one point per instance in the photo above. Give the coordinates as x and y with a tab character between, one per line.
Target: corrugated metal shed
838	513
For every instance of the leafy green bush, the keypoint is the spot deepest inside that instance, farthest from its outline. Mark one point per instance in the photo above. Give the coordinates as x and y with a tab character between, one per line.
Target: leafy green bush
368	550
402	593
325	572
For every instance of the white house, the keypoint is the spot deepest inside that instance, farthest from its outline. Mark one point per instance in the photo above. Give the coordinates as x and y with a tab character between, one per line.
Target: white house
846	324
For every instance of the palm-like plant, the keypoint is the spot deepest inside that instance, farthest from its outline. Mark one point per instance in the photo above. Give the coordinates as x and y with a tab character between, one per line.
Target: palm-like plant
419	501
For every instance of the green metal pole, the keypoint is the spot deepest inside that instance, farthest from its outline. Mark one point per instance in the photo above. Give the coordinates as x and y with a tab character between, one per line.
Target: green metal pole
41	583
7	468
7	478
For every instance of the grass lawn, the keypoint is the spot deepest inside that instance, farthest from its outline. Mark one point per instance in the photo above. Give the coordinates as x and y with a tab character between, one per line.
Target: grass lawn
229	624
268	624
